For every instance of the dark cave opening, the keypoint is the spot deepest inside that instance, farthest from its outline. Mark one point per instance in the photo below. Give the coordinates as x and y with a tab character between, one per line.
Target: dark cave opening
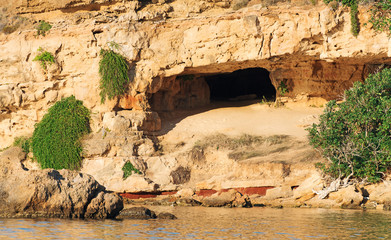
241	84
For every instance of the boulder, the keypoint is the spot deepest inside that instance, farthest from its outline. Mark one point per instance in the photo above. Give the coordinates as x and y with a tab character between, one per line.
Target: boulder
279	192
349	197
166	215
231	198
137	213
51	193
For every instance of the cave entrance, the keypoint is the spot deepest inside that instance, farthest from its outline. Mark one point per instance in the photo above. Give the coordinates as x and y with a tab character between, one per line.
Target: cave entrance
185	92
245	84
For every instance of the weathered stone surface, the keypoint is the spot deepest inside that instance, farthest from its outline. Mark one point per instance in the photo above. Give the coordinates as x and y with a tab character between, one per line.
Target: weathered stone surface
136	213
348	197
108	171
166	215
310	49
51	193
180	175
231	198
306	188
279	192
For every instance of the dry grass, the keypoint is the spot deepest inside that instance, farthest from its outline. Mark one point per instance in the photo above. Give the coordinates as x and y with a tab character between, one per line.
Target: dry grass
238	4
244	147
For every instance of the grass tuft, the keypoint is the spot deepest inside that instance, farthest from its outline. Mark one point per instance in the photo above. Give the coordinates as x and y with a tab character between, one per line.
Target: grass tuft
113	70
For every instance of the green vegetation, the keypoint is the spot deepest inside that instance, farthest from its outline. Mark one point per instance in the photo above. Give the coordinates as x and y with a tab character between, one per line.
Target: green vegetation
43	27
353	5
113	70
24	143
355	135
45	58
56	139
129	169
282	88
381	16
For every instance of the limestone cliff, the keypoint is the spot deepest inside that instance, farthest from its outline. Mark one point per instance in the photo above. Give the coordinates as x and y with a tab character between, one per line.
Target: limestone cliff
173	48
309	48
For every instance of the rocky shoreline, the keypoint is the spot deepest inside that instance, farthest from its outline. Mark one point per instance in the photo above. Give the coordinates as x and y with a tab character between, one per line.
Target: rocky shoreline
50	193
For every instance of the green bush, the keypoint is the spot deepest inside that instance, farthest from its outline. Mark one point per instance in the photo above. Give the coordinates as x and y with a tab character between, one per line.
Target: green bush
43	27
113	70
381	16
355	136
45	58
56	139
129	169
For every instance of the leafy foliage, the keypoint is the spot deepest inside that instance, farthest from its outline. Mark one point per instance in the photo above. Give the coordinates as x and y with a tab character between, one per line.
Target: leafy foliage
129	169
23	142
113	70
353	5
45	58
381	16
282	88
355	136
55	142
43	27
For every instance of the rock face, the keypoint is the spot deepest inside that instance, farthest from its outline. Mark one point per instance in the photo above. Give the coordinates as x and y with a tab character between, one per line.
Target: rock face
171	47
51	193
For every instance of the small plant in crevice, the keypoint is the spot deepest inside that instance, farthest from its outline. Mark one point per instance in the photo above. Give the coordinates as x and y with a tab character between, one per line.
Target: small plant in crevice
113	71
45	58
10	28
282	88
24	143
56	139
129	169
43	27
353	5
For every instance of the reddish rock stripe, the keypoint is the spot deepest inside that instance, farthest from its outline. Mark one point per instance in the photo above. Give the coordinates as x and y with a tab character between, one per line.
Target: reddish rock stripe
145	194
169	193
202	193
254	190
138	195
205	192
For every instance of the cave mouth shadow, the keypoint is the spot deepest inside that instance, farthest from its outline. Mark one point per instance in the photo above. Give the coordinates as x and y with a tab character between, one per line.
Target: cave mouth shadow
245	84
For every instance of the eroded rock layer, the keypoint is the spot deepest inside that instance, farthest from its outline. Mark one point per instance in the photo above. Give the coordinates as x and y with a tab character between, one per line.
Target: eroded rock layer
309	49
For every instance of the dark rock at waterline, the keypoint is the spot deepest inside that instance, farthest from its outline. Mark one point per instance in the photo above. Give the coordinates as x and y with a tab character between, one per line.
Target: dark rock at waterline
136	213
51	193
166	215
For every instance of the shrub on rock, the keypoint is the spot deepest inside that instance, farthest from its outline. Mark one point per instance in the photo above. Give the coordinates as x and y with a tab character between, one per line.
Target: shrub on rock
113	70
355	135
55	142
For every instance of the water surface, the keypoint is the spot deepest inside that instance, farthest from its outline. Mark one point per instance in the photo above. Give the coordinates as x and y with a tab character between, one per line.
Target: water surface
213	223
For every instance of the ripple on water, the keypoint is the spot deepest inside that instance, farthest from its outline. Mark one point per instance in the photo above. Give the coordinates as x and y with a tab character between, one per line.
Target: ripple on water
213	223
